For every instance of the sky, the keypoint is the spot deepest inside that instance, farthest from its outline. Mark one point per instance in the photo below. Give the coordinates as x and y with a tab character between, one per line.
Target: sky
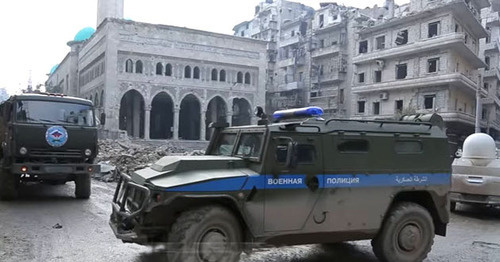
34	33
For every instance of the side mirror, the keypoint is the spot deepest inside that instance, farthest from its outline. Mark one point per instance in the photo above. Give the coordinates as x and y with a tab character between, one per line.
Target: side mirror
102	118
291	156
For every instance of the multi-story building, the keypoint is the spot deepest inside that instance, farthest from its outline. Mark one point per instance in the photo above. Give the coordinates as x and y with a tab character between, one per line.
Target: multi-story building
159	81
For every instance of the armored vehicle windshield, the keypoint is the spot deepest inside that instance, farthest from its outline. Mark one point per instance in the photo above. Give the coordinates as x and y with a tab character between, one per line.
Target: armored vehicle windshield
54	112
248	144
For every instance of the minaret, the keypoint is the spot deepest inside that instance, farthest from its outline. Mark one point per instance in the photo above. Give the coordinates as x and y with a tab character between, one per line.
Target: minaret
109	8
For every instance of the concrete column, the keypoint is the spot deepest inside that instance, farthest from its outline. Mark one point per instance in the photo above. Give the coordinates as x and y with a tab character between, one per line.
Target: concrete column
147	121
176	123
230	118
202	125
136	115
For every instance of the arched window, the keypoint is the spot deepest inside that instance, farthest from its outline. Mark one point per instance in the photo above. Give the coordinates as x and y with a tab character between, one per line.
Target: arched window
168	70
247	78
187	72
196	73
239	77
214	74
138	67
102	98
159	69
129	66
96	99
222	76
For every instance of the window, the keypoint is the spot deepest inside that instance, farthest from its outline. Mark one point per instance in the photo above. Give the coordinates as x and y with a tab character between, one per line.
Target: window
486	86
376	108
408	147
321	20
361	107
457	27
484	113
247	78
380	42
159	69
102	98
363	47
222	76
487	61
466	38
168	70
281	152
249	145
214	74
225	144
341	98
321	70
402	37
239	77
401	71
321	43
305	153
187	72
433	29
353	146
361	77
292	33
138	67
399	106
196	72
433	65
129	65
429	101
378	76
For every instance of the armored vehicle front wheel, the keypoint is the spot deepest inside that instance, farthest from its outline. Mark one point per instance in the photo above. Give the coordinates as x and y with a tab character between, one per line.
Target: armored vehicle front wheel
8	185
206	234
407	234
82	186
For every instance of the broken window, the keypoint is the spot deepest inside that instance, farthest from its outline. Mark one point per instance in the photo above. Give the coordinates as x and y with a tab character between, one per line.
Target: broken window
222	76
129	65
378	76
457	27
433	65
429	101
486	86
341	96
247	78
376	108
361	106
138	67
168	70
380	42
399	106
487	61
401	71
363	46
484	113
402	37
196	72
159	69
433	29
214	74
321	43
321	20
361	77
321	70
239	77
187	72
293	33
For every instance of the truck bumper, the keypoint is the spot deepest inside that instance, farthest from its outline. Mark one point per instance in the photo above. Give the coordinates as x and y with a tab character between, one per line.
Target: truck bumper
474	199
54	170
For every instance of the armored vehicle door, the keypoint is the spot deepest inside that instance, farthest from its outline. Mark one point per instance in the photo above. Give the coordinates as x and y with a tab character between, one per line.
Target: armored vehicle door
292	189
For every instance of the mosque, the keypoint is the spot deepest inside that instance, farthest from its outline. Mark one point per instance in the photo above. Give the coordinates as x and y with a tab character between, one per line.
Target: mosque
158	81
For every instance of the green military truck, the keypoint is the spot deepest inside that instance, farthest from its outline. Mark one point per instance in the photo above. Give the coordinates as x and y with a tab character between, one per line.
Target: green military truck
47	138
294	182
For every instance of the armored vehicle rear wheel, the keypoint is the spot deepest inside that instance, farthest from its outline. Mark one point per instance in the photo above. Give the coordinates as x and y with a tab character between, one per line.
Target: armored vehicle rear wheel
407	234
8	185
206	234
82	186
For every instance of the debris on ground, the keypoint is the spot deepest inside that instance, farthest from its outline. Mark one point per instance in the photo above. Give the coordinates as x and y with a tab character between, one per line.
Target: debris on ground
57	226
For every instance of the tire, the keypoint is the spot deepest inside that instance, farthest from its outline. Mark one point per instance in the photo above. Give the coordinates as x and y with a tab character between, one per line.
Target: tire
196	233
453	206
8	185
410	220
82	186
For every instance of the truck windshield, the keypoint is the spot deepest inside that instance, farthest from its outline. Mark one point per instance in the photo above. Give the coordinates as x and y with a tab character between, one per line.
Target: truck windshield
32	111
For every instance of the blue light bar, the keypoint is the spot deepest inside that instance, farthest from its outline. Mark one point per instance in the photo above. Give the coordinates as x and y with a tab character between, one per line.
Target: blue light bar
298	112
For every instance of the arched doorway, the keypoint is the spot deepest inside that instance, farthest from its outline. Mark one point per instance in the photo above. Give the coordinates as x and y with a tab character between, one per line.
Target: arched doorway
162	117
189	118
131	117
216	112
242	113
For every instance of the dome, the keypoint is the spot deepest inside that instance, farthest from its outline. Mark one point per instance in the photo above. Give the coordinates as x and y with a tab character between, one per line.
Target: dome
54	68
84	34
479	145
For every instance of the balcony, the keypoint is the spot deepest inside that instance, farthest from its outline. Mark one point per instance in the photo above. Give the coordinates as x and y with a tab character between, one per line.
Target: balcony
324	51
294	61
291	86
454	40
493	72
456	79
329	78
289	41
491	46
493	19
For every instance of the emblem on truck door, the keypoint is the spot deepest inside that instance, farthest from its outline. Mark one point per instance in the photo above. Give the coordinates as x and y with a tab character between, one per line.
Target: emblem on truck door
56	136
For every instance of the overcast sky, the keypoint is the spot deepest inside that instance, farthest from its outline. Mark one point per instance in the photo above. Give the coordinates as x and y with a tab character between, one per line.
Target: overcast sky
34	33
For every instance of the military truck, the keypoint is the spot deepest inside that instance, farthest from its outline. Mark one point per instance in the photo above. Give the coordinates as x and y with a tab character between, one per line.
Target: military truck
294	182
47	138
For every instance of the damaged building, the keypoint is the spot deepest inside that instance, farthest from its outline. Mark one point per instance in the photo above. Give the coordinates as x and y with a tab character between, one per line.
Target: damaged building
162	82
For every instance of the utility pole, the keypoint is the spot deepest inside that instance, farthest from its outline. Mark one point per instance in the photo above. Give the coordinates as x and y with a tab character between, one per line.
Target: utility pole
478	106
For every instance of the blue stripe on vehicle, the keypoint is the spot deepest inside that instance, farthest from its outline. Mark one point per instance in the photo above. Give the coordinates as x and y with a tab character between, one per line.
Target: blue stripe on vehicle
325	181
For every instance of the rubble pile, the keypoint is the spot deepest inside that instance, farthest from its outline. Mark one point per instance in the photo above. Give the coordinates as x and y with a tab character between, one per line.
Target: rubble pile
126	156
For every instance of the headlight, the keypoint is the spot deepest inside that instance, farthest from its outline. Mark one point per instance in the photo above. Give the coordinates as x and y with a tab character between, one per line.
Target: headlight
88	152
23	150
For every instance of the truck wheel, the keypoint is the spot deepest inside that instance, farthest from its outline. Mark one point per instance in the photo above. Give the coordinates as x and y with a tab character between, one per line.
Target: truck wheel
453	206
8	185
209	233
406	235
82	186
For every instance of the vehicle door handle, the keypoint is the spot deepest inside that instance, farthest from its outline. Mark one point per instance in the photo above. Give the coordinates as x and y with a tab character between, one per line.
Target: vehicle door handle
313	183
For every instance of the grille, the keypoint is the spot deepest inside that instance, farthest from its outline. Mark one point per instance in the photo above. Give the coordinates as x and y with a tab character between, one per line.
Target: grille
70	153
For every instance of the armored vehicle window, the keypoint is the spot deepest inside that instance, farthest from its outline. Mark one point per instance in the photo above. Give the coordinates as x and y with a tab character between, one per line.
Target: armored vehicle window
353	146
225	144
306	153
281	151
32	111
408	147
249	145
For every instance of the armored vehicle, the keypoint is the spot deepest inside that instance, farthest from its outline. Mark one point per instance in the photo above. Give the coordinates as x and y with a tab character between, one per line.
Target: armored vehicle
47	138
294	182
